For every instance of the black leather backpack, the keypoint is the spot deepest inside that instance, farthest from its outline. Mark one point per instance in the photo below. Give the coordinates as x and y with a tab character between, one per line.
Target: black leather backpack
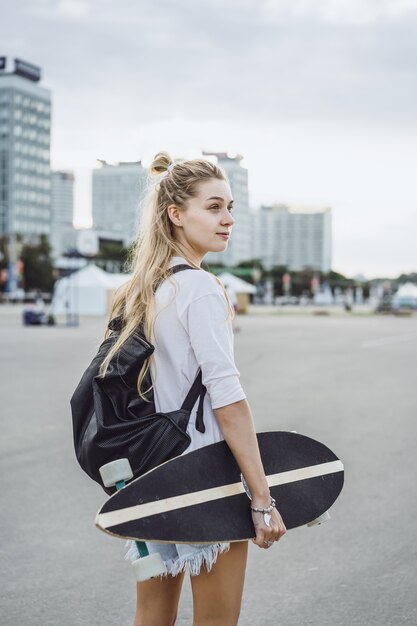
111	421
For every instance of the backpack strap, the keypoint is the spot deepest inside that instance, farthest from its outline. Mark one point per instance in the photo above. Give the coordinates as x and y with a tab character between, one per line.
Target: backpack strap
199	422
197	388
117	322
180	268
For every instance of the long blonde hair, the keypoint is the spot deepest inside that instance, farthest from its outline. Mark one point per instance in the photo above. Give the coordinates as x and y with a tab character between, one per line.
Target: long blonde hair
150	255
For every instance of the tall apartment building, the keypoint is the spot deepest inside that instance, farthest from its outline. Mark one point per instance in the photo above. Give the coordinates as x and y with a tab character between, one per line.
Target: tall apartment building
63	233
116	194
297	238
25	132
239	247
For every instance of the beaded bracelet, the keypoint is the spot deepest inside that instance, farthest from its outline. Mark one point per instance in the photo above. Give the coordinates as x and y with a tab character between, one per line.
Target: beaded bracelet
267	510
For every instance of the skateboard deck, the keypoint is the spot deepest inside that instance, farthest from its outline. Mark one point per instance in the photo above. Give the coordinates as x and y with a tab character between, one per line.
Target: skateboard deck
200	497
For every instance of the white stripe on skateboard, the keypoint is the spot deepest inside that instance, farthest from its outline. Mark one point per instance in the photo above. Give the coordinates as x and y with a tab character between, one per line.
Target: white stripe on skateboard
139	511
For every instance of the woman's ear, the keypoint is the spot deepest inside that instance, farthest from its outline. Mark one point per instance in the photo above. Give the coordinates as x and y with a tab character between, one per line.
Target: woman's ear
174	214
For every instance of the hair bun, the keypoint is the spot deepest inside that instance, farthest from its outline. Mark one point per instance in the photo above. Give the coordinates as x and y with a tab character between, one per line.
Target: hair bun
160	163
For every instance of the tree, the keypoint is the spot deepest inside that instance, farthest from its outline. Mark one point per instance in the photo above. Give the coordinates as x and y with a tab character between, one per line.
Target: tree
275	274
407	278
3	253
112	256
252	263
38	269
214	269
338	280
3	263
301	282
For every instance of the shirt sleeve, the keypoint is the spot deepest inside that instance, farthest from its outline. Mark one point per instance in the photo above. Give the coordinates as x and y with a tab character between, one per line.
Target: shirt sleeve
211	337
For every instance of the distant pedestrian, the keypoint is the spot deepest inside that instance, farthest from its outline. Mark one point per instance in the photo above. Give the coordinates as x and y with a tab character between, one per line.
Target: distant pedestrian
231	292
39	302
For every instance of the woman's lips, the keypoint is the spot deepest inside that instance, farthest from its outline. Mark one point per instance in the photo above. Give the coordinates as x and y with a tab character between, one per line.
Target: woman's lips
223	235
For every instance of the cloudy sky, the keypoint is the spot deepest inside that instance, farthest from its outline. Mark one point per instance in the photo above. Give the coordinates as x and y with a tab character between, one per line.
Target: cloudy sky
320	96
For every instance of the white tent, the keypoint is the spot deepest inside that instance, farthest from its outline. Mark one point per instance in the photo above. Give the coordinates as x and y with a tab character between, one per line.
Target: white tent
405	296
86	292
238	290
324	296
237	284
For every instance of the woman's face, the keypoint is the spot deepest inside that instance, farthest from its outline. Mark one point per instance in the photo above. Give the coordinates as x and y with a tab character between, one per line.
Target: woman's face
206	215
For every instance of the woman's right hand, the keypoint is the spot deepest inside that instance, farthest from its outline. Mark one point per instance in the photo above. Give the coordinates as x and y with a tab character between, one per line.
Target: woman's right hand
266	534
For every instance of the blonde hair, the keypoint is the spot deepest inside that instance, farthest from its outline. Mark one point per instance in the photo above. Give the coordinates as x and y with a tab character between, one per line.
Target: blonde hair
150	255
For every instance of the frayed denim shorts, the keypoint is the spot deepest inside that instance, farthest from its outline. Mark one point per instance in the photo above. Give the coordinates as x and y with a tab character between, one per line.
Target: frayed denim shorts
182	557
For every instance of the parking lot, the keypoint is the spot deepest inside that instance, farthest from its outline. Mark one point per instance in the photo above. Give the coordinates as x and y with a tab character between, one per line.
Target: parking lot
347	381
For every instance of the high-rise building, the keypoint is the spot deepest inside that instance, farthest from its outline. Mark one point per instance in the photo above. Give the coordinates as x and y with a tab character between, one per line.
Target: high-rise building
116	194
295	237
239	246
63	233
25	131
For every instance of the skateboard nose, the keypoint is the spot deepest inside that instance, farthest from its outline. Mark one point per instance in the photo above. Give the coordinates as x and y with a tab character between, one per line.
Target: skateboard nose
320	520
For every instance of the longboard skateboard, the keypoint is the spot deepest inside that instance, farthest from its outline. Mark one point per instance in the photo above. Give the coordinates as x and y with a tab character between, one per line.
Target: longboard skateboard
200	496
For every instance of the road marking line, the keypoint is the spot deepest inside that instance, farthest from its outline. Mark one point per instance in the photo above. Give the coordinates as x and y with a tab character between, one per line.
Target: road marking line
382	341
139	511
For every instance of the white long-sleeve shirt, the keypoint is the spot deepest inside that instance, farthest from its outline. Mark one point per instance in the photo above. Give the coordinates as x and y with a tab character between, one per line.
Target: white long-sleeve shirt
191	330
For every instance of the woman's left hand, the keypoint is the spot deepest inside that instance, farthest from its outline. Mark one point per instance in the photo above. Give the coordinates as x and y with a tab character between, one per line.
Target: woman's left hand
268	533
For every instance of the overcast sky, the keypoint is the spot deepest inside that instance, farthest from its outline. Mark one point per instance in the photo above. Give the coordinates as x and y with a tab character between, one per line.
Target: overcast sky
320	96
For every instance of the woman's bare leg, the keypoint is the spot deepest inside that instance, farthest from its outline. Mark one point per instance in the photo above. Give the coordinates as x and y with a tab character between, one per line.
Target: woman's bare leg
217	595
157	601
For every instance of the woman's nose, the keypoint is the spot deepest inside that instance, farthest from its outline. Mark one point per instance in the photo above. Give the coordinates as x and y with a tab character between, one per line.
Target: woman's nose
228	219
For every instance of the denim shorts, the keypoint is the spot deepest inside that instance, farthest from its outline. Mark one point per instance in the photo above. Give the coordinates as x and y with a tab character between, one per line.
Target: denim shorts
182	557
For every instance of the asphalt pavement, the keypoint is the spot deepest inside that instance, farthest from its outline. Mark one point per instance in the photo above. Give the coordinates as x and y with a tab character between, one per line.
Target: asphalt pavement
347	381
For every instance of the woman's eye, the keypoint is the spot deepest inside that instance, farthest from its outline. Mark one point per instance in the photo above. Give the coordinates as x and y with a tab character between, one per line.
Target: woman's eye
217	208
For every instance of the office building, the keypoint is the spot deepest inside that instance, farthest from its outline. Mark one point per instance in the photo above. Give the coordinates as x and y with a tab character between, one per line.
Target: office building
239	247
117	190
63	233
298	238
25	132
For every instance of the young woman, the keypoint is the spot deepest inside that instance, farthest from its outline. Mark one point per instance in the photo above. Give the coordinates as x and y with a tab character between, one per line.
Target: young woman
187	317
